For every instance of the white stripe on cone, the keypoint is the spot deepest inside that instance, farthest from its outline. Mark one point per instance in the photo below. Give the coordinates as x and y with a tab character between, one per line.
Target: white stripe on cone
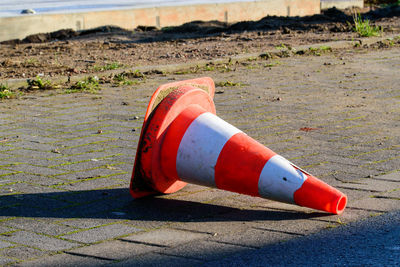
279	180
200	147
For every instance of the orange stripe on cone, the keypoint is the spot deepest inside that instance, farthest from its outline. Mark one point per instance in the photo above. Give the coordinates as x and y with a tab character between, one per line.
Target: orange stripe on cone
240	163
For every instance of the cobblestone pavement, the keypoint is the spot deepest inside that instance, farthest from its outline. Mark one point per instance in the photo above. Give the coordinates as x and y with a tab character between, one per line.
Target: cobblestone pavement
66	160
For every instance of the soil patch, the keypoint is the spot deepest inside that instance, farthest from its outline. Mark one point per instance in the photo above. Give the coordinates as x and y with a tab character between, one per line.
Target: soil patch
68	52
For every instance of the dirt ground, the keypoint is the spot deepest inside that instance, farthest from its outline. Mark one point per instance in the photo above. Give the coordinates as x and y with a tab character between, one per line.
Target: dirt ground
67	52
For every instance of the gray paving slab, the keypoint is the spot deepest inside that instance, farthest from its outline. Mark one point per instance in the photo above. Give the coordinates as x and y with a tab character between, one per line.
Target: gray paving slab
4	244
4	260
153	259
205	250
38	241
373	185
37	226
376	204
22	253
101	233
165	237
65	260
116	250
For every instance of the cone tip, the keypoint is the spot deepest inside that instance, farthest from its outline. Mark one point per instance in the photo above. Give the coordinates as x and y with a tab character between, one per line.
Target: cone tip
316	194
341	204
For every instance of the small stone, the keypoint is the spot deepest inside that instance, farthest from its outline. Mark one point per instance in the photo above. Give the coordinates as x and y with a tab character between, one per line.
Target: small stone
55	150
117	213
28	11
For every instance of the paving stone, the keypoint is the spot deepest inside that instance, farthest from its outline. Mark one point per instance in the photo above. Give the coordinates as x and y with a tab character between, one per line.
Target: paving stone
153	259
38	241
375	204
64	260
86	149
92	155
394	176
115	250
4	260
22	153
22	253
390	194
354	195
4	244
373	185
101	233
31	188
205	250
87	174
83	141
34	179
37	226
33	145
87	164
6	172
86	223
92	184
165	237
35	170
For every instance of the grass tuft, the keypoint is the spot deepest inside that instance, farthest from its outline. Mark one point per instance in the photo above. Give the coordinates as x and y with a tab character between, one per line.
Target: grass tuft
363	28
5	91
89	84
39	84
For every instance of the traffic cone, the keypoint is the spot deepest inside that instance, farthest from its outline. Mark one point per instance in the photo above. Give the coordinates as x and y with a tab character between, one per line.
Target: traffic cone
183	141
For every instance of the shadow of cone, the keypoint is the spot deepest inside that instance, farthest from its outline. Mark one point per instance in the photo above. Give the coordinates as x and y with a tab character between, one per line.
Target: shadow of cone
183	141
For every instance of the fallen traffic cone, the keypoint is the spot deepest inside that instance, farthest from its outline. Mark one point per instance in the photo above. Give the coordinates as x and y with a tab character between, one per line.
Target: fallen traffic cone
183	141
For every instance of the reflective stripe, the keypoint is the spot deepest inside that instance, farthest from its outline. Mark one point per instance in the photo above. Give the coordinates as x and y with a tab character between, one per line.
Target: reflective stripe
279	180
200	147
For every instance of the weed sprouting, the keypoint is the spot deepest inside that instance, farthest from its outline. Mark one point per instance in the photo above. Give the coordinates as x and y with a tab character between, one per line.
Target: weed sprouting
209	67
39	84
281	46
5	91
317	51
136	74
122	79
273	64
363	28
228	84
30	62
89	84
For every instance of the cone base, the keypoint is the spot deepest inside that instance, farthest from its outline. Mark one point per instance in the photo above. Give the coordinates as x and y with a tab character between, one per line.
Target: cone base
167	102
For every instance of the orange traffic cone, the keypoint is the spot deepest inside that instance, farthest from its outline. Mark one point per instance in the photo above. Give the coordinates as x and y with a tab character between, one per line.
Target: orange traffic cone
183	141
